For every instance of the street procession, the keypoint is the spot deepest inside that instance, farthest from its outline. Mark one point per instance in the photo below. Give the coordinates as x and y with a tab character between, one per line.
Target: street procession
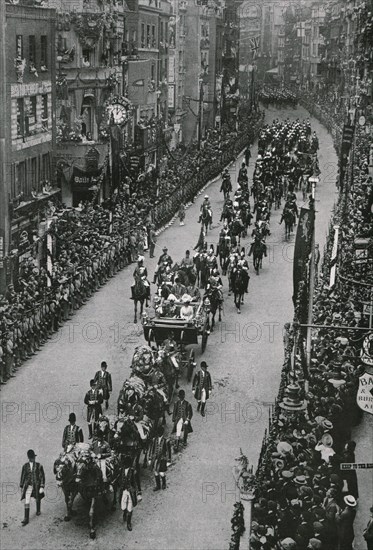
186	275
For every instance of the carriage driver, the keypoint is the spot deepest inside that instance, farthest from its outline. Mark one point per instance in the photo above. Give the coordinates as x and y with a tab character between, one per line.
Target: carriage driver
164	259
102	451
142	273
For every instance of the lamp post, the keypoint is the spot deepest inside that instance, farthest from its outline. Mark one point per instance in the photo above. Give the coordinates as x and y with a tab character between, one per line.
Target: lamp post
246	484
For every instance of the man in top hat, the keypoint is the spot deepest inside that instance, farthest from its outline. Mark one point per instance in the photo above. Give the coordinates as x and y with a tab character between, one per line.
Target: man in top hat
93	399
72	434
103	383
152	240
32	484
181	417
160	458
202	387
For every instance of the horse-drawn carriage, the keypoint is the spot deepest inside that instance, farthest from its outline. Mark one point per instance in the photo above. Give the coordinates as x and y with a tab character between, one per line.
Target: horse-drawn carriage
184	333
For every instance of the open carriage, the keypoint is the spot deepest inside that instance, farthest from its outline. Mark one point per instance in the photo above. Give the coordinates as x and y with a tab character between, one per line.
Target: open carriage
184	333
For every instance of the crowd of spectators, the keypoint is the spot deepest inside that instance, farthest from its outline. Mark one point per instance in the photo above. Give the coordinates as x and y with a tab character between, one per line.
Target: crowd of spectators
304	499
86	246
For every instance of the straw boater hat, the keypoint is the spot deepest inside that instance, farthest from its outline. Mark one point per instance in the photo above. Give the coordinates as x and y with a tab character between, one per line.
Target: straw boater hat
327	440
350	501
186	299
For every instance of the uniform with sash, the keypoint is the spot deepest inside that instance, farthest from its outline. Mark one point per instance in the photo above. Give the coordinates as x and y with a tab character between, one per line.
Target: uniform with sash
72	434
93	399
103	382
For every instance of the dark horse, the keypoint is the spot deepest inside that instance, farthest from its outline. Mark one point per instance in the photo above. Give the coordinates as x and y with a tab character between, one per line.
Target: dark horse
238	285
289	217
200	262
206	218
258	249
216	300
223	251
64	470
91	485
187	275
141	293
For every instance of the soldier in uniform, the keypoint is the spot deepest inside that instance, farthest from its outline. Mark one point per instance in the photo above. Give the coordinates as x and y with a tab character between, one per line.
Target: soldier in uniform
181	417
129	489
164	259
72	434
160	458
152	240
93	399
202	387
103	383
32	484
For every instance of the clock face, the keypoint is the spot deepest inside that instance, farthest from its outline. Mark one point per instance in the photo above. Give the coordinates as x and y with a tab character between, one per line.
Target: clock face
118	112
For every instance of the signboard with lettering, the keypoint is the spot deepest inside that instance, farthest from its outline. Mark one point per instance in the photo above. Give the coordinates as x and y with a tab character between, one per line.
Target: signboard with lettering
83	178
364	396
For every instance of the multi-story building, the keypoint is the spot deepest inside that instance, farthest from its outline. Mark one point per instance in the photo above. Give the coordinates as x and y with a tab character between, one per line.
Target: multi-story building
230	62
28	129
89	54
177	69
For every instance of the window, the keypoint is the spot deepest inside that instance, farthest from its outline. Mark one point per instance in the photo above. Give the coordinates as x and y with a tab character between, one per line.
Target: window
20	118
19	46
44	110
21	174
32	49
62	44
153	72
46	167
86	54
148	36
43	51
166	31
161	32
32	110
142	35
34	174
153	37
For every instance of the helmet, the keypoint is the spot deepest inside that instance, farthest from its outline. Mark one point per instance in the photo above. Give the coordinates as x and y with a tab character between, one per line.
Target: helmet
206	196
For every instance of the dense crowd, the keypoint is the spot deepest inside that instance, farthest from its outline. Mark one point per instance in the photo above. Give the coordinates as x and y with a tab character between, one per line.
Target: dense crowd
89	244
304	500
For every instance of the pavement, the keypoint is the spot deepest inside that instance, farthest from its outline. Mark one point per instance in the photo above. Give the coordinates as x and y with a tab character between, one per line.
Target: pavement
244	354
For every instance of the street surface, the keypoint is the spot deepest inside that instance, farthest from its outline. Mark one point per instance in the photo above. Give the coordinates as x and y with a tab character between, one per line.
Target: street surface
244	355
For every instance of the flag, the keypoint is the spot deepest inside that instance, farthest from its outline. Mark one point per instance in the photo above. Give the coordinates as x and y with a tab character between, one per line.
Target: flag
302	249
254	45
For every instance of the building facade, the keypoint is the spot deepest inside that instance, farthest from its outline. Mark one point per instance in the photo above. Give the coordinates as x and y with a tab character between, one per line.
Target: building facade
28	188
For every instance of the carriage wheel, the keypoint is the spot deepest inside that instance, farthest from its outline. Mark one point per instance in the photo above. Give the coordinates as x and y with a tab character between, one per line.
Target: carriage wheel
204	341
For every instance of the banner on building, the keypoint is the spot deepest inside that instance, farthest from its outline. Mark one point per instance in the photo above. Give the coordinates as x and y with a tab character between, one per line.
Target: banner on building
83	178
347	138
302	247
171	96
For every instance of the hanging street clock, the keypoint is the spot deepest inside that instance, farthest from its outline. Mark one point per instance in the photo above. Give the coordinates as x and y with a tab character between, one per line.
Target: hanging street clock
117	110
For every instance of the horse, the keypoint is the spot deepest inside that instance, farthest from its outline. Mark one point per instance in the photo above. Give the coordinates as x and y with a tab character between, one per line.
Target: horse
206	218
289	218
236	230
200	261
227	213
141	293
128	443
216	300
238	285
103	427
258	249
187	275
223	251
64	470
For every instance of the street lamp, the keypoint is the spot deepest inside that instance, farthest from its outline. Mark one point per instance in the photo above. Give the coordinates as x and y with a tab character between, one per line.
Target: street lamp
247	485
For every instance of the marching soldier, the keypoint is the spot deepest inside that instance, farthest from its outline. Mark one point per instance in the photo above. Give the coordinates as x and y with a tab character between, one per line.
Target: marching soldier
32	484
72	434
160	458
103	383
181	417
202	387
93	399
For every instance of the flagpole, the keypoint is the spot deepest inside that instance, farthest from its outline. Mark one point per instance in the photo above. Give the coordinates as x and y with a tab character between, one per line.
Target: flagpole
311	289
